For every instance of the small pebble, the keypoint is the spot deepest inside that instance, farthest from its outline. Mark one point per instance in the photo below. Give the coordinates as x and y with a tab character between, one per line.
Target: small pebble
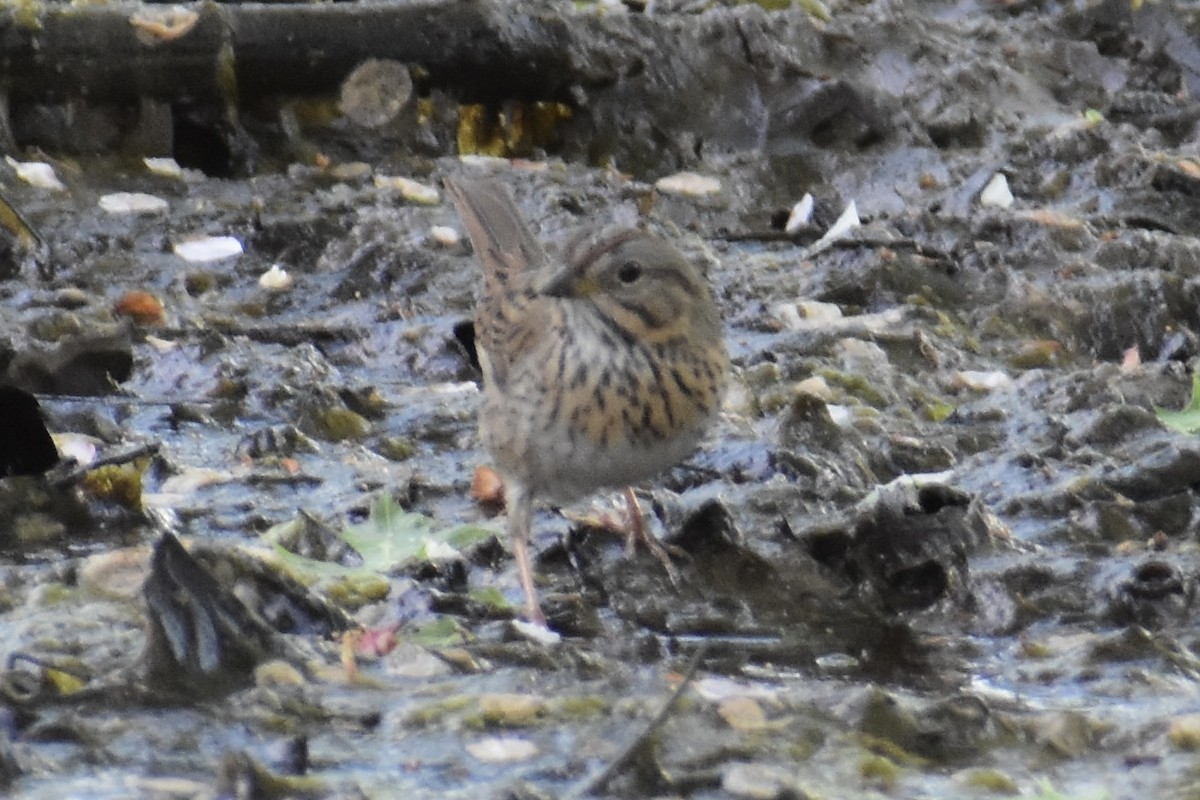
141	307
410	190
444	236
36	173
208	248
71	297
276	279
486	485
996	194
688	184
132	203
376	93
164	167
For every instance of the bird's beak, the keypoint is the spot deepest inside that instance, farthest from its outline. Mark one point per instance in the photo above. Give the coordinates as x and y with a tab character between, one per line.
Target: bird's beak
564	282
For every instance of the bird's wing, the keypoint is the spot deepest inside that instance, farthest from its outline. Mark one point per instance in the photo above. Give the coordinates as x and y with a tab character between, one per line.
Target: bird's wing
501	238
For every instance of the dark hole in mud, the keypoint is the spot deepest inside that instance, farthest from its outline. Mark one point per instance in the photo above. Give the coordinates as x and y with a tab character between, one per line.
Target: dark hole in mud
464	336
446	576
709	530
198	146
28	448
918	586
1155	580
832	550
933	499
88	366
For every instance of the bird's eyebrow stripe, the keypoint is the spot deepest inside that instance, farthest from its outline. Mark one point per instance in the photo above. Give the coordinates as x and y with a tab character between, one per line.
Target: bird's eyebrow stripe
603	246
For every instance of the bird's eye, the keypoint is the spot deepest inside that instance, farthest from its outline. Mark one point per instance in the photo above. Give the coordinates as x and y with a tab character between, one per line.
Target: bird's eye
629	272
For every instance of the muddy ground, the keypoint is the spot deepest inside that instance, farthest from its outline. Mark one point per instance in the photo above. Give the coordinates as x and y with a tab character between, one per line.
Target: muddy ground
940	544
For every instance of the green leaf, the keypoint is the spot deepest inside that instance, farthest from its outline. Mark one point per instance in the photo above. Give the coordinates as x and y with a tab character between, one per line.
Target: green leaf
390	536
491	597
1046	791
465	536
388	539
1187	420
441	632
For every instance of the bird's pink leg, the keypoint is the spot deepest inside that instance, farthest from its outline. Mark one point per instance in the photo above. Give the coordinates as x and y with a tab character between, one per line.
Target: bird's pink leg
635	531
520	521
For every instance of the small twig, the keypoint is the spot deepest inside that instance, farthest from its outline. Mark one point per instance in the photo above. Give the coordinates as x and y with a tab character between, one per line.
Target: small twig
802	237
907	245
849	243
116	399
77	472
597	782
43	664
290	335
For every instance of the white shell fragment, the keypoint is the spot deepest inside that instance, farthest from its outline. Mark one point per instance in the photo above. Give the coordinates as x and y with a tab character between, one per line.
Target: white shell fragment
276	279
36	173
980	380
157	25
717	688
479	160
847	222
688	184
807	314
410	190
747	781
208	248
162	346
350	171
842	416
438	551
132	203
164	167
502	749
996	194
539	634
801	215
836	662
78	446
444	236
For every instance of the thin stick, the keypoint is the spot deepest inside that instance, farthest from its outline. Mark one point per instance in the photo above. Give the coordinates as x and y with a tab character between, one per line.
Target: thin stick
77	473
597	782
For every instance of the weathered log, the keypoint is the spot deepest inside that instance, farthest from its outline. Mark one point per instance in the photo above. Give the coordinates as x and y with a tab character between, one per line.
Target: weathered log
98	53
648	90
